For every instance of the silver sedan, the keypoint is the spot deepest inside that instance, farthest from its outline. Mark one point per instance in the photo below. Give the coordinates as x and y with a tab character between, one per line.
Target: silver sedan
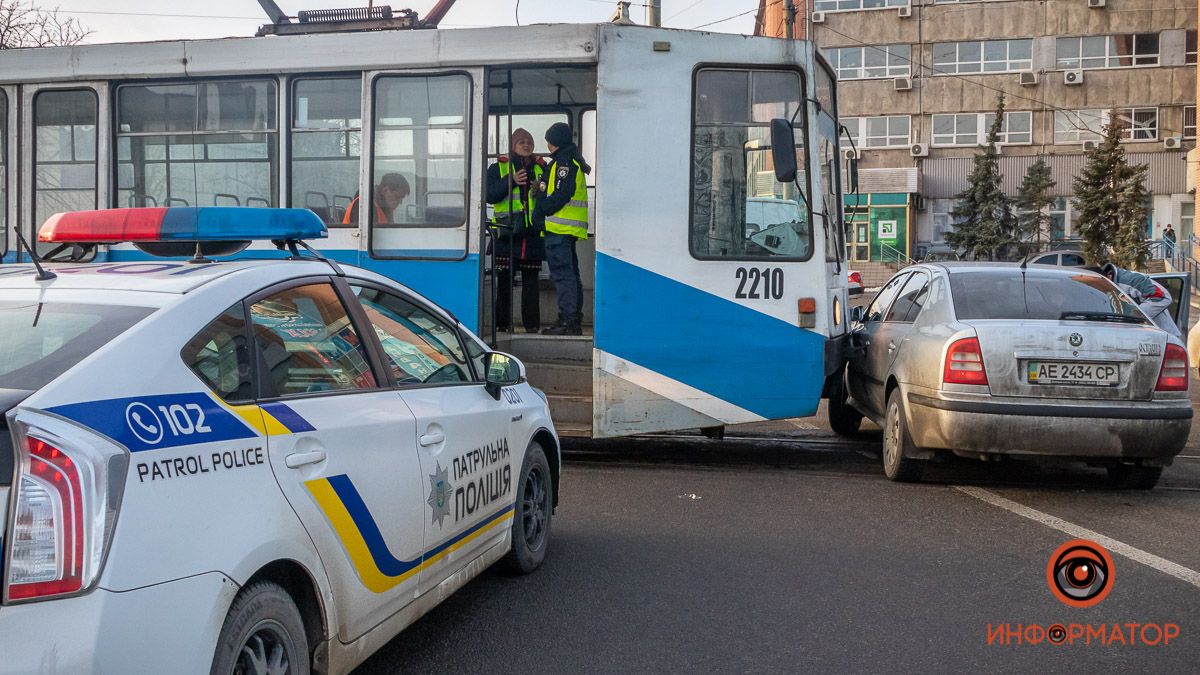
993	359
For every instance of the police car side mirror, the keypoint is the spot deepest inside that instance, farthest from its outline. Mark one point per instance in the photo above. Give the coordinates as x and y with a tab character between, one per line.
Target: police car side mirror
501	370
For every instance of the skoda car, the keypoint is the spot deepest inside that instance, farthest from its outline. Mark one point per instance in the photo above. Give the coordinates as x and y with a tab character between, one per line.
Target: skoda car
991	360
254	466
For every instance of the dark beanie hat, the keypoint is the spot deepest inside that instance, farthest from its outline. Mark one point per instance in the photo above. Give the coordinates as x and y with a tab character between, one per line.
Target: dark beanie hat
559	135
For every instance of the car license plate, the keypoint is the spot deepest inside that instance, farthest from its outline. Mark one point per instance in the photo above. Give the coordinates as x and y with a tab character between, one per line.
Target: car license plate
1091	374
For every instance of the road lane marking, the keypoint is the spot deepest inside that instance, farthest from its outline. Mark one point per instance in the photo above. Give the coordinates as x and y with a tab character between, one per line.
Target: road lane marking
1136	554
1188	456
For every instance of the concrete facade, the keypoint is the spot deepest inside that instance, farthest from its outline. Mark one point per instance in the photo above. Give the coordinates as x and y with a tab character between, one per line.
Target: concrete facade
1161	85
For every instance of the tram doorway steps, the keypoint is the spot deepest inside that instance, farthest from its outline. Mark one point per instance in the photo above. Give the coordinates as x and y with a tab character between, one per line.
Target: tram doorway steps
536	348
561	366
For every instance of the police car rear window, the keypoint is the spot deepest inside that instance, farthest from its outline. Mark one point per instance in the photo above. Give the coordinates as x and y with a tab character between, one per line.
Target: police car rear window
41	340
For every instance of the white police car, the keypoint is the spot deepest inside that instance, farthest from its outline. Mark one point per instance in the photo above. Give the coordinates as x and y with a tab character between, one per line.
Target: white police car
253	466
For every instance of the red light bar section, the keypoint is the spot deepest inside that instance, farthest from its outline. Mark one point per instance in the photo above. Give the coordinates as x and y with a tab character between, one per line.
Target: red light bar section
110	225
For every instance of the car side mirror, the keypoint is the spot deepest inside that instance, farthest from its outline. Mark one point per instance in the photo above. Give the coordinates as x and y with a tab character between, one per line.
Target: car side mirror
852	175
858	314
501	370
783	150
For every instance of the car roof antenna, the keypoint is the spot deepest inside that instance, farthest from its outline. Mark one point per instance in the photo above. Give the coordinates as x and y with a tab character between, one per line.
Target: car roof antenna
42	273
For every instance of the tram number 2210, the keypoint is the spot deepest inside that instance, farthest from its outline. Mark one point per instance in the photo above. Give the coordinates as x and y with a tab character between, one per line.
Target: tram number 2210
759	284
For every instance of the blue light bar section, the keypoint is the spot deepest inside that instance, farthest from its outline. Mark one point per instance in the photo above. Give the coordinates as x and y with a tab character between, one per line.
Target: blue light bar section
240	223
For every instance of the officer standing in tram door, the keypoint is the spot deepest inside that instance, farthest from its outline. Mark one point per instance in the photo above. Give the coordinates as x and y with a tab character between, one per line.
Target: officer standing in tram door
564	213
512	185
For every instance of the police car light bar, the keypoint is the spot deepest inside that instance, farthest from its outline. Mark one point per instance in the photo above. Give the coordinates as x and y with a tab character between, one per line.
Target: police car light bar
182	224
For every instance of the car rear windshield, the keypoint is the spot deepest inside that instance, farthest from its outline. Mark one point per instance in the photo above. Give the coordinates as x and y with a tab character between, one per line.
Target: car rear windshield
1011	294
40	340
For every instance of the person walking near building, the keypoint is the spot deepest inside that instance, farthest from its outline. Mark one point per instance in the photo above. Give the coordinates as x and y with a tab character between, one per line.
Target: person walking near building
512	186
564	214
1169	241
392	190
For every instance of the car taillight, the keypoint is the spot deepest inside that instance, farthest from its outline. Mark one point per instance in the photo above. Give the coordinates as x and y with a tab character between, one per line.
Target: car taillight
856	277
68	490
964	363
1174	373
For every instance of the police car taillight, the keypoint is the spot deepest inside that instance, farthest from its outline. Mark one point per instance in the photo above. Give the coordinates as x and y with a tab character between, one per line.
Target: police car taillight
68	489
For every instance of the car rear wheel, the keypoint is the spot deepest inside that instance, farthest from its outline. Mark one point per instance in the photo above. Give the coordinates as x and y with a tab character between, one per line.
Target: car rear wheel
531	514
897	444
843	419
1129	477
262	635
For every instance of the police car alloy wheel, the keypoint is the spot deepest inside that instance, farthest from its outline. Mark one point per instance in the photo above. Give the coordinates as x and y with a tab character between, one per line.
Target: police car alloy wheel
263	635
531	524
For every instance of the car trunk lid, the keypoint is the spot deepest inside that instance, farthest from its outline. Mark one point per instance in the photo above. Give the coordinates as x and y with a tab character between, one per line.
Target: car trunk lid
1071	359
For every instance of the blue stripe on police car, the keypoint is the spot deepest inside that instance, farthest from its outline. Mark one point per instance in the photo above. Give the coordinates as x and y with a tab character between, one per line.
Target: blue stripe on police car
162	421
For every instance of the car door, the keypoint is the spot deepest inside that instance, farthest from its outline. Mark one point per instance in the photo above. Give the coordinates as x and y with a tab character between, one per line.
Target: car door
1179	286
462	434
860	380
890	335
341	446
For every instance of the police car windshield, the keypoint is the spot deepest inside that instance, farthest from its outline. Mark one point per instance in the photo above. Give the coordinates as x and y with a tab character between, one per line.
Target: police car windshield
40	340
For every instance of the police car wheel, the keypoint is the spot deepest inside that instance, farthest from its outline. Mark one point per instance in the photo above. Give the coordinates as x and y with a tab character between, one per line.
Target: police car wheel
263	634
531	517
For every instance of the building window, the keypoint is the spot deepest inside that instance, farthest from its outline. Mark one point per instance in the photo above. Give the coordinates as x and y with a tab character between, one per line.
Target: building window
326	140
1060	218
851	5
64	164
880	132
869	63
1189	123
971	129
1189	54
739	210
990	56
197	144
1108	51
1076	126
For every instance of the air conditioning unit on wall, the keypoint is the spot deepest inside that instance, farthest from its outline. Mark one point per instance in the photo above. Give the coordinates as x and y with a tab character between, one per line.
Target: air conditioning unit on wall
902	83
1088	146
1173	142
1096	4
905	12
919	150
851	153
1029	78
818	17
1072	77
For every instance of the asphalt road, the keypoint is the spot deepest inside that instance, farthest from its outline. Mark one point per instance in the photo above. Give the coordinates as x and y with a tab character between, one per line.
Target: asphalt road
796	554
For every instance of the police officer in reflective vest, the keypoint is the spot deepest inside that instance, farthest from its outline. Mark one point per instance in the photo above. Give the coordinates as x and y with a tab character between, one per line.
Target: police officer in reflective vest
512	186
564	213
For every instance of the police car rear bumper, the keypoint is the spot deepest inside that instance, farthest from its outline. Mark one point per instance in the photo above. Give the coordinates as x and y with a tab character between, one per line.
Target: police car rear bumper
165	628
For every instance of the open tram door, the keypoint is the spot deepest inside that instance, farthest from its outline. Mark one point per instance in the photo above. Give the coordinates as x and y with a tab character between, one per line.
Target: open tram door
534	97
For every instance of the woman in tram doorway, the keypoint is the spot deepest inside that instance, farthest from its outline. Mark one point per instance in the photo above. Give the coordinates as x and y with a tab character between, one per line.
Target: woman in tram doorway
512	186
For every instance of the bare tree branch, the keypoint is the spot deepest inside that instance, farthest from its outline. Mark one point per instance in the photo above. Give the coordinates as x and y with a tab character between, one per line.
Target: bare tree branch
22	24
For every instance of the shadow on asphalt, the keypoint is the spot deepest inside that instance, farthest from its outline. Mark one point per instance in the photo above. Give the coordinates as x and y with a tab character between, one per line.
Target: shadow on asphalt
845	457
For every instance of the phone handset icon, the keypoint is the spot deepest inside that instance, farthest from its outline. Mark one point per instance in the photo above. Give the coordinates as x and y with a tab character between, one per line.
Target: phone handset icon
144	423
148	428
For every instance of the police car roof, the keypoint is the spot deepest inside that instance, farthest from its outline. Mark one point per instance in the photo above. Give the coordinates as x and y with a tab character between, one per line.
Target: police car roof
174	277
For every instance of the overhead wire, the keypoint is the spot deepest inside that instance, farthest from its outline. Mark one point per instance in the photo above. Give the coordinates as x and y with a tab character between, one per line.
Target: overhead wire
736	16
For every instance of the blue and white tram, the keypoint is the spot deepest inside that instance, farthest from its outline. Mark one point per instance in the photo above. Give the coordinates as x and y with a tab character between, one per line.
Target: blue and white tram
714	293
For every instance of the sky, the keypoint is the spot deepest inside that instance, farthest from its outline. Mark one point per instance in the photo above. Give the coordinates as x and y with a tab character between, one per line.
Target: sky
139	20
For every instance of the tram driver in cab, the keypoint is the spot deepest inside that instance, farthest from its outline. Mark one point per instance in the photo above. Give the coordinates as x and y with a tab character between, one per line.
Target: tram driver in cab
390	193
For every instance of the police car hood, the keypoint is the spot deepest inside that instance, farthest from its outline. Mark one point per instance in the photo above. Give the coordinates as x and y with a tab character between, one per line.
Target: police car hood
154	276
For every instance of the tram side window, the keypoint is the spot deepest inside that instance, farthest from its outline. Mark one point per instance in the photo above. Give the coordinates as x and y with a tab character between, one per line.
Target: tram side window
535	123
827	151
65	154
326	139
210	143
421	136
739	210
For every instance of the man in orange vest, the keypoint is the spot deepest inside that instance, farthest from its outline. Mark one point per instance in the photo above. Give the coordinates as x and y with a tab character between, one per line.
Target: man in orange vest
392	190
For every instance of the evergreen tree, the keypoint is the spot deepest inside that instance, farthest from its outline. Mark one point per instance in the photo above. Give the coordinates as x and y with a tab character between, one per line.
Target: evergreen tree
1033	202
1110	202
984	224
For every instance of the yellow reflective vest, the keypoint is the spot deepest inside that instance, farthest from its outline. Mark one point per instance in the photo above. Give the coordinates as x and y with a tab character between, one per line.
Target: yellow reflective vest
572	219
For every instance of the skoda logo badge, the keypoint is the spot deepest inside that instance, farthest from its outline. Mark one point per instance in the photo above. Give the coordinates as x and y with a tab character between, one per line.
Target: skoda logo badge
1076	339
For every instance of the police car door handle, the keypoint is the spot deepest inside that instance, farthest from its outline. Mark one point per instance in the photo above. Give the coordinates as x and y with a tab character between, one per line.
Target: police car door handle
432	438
299	459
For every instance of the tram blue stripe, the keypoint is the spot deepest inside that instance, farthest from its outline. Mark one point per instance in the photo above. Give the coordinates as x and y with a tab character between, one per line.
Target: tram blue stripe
730	351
